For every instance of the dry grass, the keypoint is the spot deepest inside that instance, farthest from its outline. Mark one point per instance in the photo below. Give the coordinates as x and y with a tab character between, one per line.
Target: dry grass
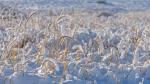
62	27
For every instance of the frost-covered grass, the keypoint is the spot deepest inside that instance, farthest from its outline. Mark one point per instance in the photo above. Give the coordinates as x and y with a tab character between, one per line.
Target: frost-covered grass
39	47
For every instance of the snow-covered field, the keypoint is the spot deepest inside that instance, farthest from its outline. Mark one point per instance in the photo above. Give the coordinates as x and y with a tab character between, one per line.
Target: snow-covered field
111	5
91	46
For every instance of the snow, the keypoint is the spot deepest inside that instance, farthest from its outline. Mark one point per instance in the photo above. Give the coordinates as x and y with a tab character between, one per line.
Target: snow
110	5
106	55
